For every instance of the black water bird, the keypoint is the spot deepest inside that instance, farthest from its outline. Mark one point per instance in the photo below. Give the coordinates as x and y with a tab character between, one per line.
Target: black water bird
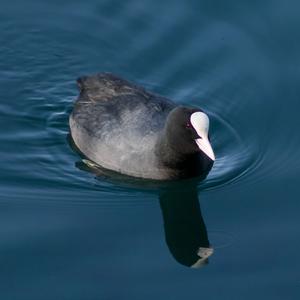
122	127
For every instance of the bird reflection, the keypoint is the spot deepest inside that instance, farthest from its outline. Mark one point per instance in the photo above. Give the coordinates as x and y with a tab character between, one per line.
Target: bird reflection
185	231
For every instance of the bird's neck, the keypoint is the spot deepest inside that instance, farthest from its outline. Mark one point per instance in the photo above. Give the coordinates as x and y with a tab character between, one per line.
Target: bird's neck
182	164
167	153
171	156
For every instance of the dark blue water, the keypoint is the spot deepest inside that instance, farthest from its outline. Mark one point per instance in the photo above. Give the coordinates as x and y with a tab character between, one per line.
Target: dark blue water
68	234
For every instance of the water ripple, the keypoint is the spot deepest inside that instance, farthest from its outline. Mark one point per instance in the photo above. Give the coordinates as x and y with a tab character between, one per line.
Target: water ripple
234	156
191	62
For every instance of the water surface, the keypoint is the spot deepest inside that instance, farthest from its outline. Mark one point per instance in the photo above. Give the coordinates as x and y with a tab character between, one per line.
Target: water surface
68	234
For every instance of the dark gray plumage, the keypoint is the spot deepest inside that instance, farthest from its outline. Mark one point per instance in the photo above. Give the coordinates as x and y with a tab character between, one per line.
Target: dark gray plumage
124	128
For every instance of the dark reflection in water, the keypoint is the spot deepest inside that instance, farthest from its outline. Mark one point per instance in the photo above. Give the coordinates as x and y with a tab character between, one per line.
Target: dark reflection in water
185	230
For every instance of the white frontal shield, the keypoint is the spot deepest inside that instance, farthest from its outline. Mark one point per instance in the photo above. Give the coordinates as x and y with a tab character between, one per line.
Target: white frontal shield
200	122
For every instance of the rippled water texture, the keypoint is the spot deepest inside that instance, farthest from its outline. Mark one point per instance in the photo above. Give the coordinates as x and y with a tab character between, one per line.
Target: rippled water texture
68	234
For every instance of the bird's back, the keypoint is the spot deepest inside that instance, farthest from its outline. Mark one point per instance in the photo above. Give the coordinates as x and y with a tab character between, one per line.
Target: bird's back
116	124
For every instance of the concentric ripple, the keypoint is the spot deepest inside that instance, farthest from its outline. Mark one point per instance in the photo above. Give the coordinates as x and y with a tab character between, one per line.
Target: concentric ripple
235	156
198	60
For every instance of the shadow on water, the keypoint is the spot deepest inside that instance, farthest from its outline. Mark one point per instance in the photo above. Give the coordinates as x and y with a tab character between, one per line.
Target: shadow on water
185	230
